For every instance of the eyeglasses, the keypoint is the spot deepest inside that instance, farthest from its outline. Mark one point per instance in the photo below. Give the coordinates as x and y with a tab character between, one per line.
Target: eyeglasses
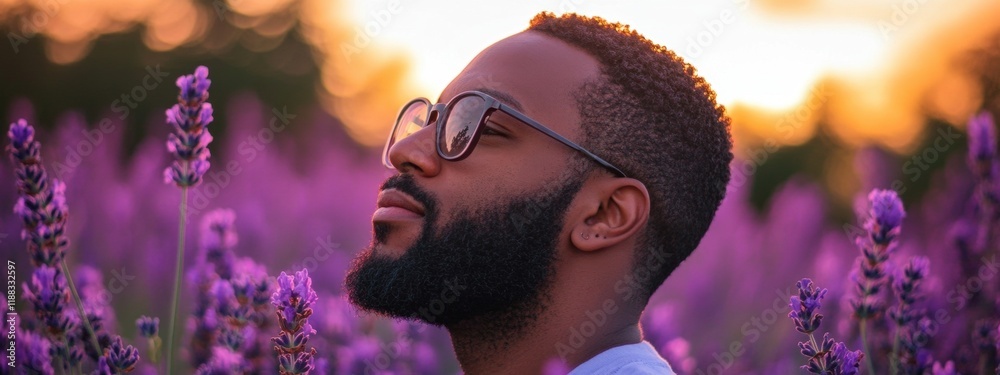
459	124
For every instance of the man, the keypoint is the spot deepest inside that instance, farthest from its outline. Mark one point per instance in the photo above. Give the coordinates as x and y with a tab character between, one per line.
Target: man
557	182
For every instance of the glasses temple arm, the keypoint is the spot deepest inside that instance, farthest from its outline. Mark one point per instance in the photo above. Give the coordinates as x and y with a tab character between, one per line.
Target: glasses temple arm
545	130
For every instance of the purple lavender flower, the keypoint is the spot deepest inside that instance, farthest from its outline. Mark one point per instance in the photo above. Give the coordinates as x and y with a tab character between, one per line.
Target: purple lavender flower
882	225
294	299
48	295
913	358
946	369
233	298
296	363
33	353
121	358
844	361
986	167
817	353
984	339
826	356
102	367
804	306
148	327
905	286
885	216
94	296
41	206
223	362
189	142
218	240
911	335
982	142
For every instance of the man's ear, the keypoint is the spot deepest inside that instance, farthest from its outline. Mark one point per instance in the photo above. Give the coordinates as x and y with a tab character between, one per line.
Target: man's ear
614	210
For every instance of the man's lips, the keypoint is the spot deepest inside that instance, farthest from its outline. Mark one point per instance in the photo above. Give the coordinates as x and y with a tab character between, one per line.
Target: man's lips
394	205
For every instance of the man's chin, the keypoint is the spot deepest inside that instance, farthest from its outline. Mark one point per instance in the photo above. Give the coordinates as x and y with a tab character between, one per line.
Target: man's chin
370	287
393	240
387	250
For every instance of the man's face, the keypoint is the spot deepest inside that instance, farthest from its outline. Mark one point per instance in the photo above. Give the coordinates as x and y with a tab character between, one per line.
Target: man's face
458	240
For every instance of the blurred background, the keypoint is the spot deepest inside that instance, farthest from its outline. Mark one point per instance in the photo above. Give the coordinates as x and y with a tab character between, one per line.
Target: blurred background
829	99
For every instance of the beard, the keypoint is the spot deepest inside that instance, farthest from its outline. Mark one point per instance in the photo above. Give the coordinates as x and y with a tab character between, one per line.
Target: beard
496	262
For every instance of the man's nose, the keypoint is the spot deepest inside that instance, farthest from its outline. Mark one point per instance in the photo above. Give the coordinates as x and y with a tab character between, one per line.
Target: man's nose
417	153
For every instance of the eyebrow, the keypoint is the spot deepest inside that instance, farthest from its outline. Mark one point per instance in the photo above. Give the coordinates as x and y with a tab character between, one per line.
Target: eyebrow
503	97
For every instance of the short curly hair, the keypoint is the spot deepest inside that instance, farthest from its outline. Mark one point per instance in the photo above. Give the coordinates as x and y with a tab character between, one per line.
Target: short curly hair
651	115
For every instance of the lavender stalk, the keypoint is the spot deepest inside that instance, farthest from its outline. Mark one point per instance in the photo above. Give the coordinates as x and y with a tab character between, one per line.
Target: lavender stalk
189	145
826	356
150	328
882	226
294	299
43	210
983	160
906	289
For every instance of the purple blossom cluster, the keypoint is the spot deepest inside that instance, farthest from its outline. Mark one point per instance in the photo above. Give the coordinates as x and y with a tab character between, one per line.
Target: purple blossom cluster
41	204
882	226
913	328
65	334
930	318
294	300
986	168
231	310
189	141
825	356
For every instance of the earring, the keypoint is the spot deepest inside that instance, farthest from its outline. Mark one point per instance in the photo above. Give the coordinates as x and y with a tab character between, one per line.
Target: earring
585	235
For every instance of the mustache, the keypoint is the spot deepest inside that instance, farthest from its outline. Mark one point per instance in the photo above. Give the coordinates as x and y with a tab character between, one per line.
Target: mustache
407	184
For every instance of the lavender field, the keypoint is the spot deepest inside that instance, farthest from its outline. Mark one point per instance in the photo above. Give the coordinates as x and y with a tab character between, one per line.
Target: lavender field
270	196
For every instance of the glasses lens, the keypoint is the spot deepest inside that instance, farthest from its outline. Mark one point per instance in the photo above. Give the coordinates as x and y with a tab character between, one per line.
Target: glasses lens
411	119
460	125
414	118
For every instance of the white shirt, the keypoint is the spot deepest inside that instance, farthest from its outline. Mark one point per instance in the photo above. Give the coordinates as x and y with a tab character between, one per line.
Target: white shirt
639	359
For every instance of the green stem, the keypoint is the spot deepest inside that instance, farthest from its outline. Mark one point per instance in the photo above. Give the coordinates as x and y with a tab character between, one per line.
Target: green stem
79	306
177	278
868	353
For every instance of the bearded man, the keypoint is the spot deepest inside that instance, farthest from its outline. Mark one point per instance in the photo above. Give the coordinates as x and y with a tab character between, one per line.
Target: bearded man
553	186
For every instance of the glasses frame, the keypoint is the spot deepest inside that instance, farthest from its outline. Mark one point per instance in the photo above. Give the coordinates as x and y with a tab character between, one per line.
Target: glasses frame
492	105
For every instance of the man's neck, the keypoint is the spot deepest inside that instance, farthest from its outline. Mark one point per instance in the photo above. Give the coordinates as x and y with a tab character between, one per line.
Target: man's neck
492	345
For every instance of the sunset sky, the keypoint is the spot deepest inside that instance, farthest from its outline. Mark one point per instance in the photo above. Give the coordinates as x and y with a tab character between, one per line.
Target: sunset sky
874	71
884	56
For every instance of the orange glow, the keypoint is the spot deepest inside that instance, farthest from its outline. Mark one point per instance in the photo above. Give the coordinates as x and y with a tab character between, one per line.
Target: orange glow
873	72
